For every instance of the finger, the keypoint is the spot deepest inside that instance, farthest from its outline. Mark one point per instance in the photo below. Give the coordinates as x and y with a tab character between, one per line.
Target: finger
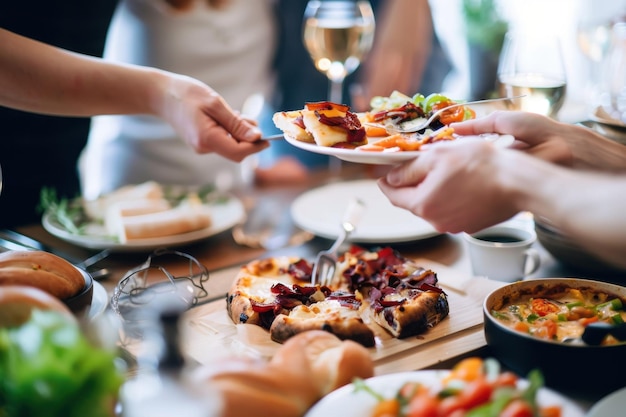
409	173
399	197
241	128
218	140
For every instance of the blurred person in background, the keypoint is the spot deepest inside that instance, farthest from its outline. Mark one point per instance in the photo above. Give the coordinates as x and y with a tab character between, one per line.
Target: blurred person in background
406	56
228	44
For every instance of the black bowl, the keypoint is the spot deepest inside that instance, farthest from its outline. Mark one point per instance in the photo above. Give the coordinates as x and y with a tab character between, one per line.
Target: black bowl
581	371
80	303
573	256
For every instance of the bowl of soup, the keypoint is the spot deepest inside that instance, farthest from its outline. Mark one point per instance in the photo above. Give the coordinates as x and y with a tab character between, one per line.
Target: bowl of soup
538	324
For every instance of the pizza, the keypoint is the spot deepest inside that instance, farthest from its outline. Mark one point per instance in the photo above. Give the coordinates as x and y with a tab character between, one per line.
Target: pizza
370	288
323	123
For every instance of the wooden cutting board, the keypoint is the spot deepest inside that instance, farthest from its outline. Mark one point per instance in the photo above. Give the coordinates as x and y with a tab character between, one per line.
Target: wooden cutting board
210	335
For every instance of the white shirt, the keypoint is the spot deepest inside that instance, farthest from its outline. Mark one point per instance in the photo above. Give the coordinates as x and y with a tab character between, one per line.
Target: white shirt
230	49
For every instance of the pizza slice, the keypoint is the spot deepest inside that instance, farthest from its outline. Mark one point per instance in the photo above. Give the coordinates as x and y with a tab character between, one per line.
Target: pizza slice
338	314
397	294
267	287
405	312
323	123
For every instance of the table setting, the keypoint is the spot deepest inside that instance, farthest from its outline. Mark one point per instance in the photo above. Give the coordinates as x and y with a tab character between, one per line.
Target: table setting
185	287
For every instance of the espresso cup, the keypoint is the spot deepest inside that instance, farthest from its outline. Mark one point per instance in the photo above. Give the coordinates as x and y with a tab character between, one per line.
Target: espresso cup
503	253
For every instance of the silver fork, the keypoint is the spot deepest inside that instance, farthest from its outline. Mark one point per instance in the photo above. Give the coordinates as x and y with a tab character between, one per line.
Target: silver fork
415	125
325	262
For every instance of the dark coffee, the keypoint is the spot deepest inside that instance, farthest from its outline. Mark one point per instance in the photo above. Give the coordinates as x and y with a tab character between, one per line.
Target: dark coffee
499	238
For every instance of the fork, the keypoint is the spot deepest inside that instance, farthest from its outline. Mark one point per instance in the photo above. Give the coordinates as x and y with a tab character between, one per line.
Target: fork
410	127
325	262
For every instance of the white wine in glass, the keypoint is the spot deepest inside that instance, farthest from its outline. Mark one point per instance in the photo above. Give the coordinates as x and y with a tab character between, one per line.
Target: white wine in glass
532	65
338	35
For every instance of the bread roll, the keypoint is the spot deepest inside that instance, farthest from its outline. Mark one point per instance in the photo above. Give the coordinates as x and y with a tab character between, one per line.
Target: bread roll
188	216
42	270
306	368
17	303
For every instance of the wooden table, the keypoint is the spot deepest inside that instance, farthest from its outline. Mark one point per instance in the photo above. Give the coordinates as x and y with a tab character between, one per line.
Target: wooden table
222	256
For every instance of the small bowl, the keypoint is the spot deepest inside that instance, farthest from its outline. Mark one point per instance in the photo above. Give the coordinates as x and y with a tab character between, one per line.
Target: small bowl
588	372
573	256
80	303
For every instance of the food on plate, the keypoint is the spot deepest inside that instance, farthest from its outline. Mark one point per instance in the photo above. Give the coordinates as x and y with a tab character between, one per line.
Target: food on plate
158	219
323	123
399	108
334	125
369	288
562	313
142	212
42	270
48	367
17	303
474	387
303	370
133	212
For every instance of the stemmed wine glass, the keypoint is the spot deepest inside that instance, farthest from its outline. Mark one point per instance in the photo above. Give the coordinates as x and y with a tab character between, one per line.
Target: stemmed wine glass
531	64
338	34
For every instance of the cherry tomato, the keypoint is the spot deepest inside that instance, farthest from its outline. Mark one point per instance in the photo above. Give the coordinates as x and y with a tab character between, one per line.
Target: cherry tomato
542	307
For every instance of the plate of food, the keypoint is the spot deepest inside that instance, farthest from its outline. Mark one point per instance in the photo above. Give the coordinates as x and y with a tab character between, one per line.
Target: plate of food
415	393
319	211
142	217
372	137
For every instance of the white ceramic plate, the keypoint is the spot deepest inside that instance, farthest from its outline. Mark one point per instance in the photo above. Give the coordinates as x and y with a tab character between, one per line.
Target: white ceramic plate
612	405
386	158
225	215
345	402
99	302
320	210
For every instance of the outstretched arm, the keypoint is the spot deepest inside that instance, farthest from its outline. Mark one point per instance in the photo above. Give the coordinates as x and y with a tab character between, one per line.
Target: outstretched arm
40	78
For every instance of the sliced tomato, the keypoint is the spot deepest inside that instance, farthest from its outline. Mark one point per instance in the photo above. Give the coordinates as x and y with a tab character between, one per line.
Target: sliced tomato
542	307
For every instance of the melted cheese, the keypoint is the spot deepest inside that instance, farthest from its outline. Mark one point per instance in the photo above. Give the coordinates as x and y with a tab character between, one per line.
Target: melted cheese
324	310
324	135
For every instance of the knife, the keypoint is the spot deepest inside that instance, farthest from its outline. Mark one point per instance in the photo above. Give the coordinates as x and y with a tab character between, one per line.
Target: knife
28	243
274	137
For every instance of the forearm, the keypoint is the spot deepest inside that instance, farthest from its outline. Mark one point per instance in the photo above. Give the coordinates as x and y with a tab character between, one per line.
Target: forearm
402	46
39	78
587	207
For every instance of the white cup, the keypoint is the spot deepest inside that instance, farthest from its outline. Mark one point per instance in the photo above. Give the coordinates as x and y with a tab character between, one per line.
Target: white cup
503	253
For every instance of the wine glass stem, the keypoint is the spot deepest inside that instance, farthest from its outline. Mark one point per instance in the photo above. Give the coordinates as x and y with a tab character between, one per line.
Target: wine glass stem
335	91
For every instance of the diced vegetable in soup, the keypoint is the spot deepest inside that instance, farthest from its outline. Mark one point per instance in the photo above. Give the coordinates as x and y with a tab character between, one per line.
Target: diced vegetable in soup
562	314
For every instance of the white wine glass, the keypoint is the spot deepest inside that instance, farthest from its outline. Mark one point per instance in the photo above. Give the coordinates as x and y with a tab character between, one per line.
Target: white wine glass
531	65
338	34
593	36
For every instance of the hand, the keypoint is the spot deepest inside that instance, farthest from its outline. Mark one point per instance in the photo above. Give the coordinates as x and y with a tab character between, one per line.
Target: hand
455	187
535	134
206	122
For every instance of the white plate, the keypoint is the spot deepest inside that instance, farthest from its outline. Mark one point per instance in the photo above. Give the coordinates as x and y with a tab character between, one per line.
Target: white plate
99	302
386	158
320	210
601	115
345	402
612	405
224	215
